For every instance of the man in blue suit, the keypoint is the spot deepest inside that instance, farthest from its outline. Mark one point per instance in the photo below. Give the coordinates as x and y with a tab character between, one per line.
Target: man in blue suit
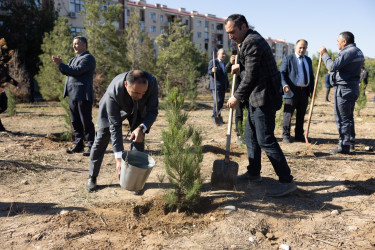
79	88
297	79
222	83
133	96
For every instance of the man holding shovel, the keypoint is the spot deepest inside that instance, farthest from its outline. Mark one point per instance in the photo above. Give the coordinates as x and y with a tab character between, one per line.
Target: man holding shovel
345	73
134	96
261	83
218	84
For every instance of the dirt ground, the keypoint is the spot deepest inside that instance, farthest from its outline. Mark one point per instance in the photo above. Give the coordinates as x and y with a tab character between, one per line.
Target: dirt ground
44	204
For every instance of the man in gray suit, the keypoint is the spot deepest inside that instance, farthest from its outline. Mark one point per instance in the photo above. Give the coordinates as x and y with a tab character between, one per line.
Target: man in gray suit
134	96
79	88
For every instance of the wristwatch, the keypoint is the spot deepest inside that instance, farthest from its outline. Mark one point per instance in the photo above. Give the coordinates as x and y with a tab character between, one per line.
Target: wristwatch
142	129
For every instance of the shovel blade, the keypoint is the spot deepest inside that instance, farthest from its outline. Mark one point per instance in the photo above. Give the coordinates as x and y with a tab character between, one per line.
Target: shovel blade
224	176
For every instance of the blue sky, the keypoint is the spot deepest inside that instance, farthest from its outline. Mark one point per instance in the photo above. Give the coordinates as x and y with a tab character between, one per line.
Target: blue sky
320	21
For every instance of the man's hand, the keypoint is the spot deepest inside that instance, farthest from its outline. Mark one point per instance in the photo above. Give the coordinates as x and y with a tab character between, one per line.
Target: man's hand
286	89
137	134
322	50
232	59
57	60
232	102
118	168
235	69
214	69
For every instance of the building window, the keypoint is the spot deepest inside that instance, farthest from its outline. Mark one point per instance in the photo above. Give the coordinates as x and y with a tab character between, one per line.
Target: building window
213	26
161	30
142	25
199	23
152	29
199	34
206	24
77	31
205	35
161	18
76	5
153	15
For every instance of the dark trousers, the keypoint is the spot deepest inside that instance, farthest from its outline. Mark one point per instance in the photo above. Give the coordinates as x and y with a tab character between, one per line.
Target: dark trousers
102	138
299	103
259	134
345	99
81	118
327	93
220	101
239	113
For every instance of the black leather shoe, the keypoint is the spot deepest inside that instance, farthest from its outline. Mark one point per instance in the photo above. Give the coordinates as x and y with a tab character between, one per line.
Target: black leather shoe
87	152
91	184
300	138
76	149
338	151
247	177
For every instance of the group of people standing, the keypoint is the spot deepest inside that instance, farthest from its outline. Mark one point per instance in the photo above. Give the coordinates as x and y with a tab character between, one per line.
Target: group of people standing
259	86
258	82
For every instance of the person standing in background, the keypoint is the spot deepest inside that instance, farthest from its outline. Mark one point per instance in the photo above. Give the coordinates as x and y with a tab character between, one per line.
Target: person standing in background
79	89
297	78
222	84
328	85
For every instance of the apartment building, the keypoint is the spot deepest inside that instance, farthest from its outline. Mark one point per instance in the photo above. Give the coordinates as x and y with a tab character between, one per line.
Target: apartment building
280	48
208	30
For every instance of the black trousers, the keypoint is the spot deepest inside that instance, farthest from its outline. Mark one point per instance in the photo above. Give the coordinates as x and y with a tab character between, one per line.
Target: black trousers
81	118
299	103
259	134
239	113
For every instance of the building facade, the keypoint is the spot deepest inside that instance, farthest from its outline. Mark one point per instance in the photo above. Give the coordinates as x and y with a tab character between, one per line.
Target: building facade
208	30
280	48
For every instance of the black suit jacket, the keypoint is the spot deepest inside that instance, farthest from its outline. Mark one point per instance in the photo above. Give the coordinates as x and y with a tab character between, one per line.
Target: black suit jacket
222	83
79	77
260	79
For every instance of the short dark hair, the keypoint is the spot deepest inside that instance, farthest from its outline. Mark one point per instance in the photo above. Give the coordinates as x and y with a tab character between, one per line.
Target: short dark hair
302	40
238	20
347	36
82	39
136	75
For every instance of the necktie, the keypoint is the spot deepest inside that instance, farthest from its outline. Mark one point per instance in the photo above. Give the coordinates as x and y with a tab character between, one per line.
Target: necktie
305	79
135	112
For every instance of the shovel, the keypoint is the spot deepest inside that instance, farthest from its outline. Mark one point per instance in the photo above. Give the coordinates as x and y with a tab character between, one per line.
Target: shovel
217	119
224	172
309	148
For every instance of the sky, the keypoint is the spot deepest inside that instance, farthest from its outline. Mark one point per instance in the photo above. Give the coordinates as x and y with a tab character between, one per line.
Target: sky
317	21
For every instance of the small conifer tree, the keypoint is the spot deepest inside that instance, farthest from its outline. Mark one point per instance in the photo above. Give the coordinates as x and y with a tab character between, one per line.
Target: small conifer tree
182	155
362	99
11	103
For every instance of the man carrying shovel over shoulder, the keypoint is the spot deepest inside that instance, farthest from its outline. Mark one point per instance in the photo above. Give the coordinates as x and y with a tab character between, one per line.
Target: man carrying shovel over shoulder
261	83
218	84
134	96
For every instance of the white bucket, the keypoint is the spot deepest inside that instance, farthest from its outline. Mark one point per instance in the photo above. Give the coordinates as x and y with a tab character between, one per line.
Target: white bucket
136	166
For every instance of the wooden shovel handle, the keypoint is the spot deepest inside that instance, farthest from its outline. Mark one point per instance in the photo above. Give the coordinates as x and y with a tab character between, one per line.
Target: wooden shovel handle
226	160
213	61
313	99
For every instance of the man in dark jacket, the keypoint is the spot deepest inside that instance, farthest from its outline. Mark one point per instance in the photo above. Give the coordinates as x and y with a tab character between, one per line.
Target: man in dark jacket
261	83
297	79
79	88
222	83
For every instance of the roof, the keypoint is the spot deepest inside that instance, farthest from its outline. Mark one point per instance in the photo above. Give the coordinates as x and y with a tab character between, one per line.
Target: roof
174	11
